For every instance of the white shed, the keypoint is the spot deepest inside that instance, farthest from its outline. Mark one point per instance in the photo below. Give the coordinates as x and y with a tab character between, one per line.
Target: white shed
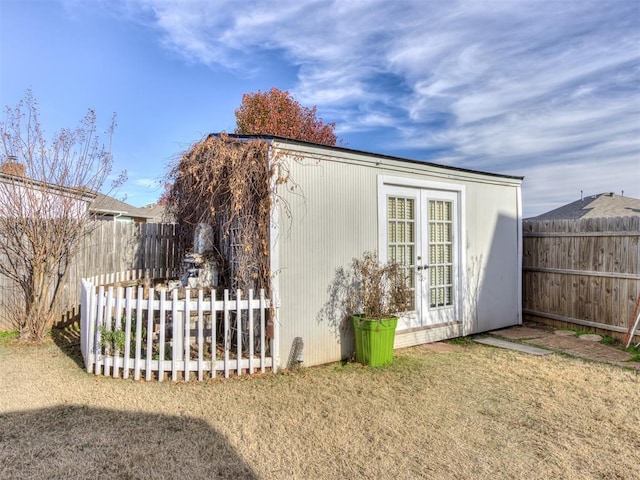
458	230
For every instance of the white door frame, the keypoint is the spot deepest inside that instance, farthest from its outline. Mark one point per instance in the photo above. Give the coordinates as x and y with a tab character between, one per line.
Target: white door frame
419	189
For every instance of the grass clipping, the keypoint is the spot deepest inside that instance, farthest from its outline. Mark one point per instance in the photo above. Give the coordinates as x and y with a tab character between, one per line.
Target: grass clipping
230	184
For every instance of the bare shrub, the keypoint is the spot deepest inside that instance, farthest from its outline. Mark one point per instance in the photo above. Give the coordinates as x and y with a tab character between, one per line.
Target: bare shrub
45	189
376	290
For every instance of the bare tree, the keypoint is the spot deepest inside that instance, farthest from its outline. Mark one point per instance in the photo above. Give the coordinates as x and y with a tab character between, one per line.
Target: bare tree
45	190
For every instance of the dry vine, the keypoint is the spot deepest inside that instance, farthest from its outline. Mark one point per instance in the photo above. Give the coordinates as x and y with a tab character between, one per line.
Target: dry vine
230	184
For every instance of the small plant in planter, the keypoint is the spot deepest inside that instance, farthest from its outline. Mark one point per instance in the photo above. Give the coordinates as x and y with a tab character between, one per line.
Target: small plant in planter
378	293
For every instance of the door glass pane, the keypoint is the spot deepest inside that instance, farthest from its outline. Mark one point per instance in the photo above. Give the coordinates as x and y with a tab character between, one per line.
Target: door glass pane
391	231
410	255
440	253
401	236
391	208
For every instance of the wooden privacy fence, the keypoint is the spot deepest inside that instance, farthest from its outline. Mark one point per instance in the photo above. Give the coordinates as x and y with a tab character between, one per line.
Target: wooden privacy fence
128	331
111	246
585	272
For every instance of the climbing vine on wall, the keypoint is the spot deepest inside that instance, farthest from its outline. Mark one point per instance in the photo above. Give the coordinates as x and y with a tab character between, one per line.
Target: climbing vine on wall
230	184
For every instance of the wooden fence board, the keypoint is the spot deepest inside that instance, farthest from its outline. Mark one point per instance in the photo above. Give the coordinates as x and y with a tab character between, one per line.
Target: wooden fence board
110	246
585	271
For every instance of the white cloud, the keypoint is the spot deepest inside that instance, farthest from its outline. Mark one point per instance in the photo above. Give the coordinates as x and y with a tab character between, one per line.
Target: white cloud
149	183
533	86
552	185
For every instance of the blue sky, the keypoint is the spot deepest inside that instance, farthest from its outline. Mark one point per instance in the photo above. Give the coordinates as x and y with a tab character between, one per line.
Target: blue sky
549	90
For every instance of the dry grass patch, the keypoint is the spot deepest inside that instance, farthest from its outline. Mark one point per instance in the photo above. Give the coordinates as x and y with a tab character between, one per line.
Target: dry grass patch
477	412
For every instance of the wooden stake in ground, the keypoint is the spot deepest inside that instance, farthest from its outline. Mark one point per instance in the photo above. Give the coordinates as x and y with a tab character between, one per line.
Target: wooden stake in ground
633	324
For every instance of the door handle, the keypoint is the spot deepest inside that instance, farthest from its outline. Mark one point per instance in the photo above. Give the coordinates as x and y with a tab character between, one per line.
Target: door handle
422	267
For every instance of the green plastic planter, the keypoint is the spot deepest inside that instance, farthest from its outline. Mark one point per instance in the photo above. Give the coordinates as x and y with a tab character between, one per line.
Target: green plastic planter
374	340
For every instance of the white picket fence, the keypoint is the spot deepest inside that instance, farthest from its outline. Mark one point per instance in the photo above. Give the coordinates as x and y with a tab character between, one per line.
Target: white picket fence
131	330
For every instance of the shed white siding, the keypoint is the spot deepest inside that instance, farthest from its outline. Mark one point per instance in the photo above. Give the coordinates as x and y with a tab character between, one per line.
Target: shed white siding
334	213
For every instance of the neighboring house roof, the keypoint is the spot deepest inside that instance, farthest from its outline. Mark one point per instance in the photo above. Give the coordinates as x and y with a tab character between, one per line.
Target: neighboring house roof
109	206
603	205
80	193
24	197
99	203
157	213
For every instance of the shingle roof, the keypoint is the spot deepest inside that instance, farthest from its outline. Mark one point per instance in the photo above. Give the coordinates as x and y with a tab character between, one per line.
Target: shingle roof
370	154
157	213
104	204
603	205
81	193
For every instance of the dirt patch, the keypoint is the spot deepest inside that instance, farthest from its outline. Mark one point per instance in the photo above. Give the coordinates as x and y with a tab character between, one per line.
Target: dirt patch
581	348
519	333
441	347
565	333
483	413
586	346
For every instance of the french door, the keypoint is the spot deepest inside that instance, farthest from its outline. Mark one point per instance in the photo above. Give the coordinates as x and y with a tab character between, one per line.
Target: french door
421	234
